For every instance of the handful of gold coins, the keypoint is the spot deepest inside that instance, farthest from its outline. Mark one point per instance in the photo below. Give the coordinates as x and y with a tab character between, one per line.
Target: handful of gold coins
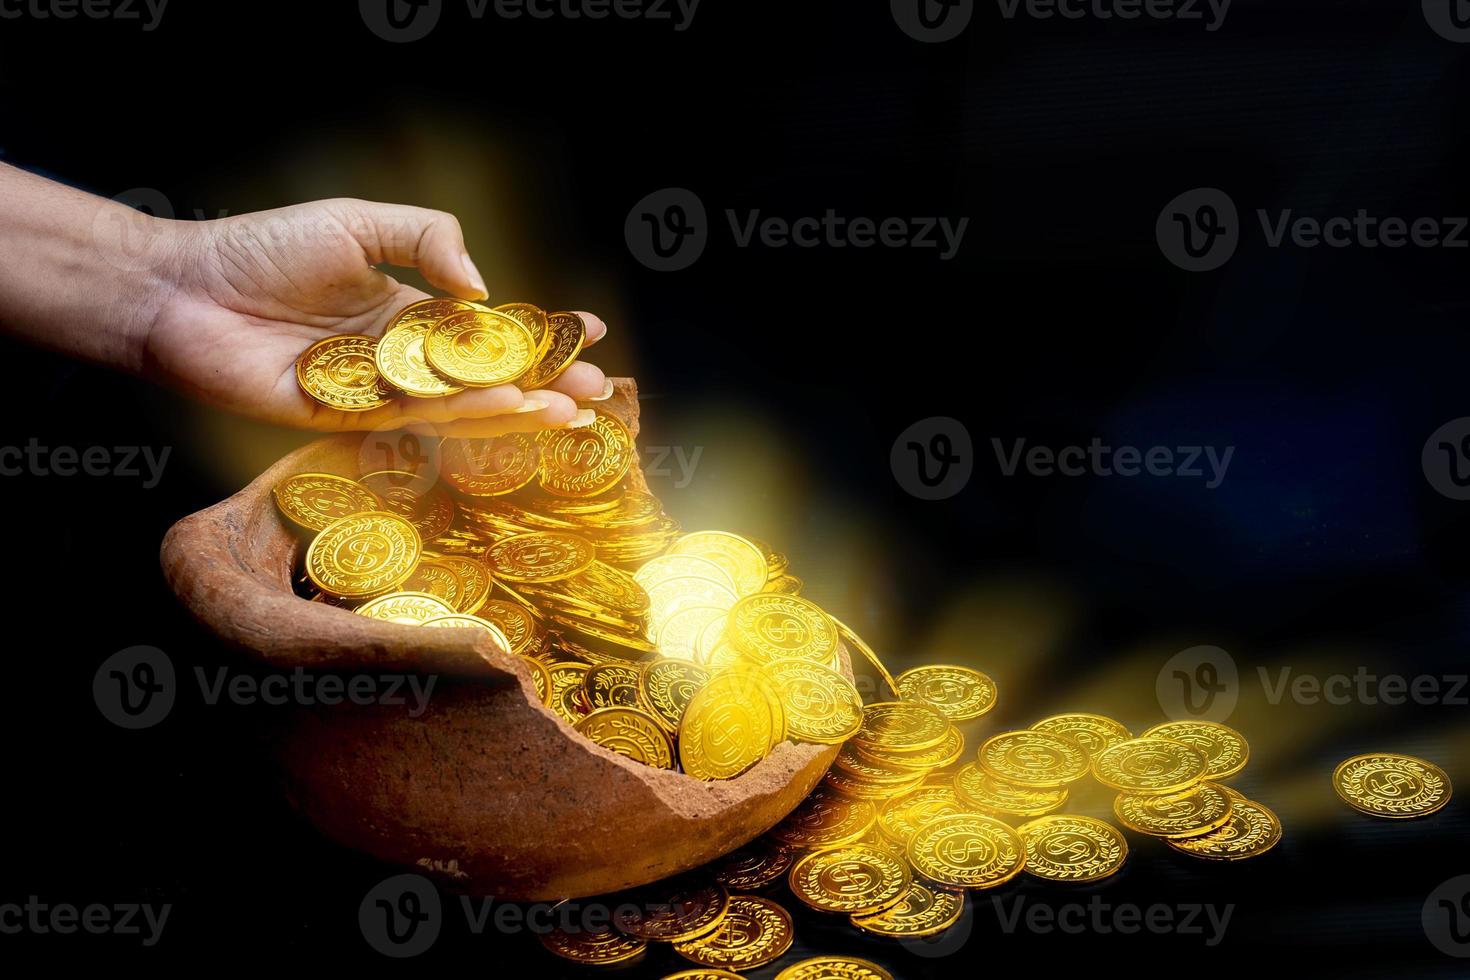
438	347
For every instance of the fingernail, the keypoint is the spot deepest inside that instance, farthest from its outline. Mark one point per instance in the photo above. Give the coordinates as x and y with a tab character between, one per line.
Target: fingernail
530	405
583	418
607	391
476	279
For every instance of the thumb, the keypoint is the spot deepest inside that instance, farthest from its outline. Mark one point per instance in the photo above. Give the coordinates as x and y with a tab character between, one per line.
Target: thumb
430	241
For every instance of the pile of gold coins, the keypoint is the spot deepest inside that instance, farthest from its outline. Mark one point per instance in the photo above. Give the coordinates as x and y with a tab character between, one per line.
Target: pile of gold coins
438	347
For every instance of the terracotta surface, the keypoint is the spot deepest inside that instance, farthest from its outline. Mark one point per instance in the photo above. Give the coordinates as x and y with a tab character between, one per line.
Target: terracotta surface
488	791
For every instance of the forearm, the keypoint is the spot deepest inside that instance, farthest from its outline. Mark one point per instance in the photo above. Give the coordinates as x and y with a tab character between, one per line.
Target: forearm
82	275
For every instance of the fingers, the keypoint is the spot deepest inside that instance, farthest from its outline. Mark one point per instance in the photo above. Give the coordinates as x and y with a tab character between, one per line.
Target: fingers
552	410
582	381
428	240
596	327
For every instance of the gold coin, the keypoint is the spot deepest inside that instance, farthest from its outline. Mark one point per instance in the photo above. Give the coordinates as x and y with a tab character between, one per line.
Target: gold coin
957	693
785	585
490	467
924	911
853	762
1093	732
474	580
825	819
853	879
566	698
1039	760
593	946
466	621
1149	765
610	643
901	726
665	688
342	373
540	677
732	723
425	504
679	636
567	334
1383	784
405	608
629	732
834	968
742	561
847	784
480	348
314	500
944	754
670	566
633	509
1196	811
612	685
707	973
1066	847
710	639
438	580
1252	830
672	595
585	461
400	354
967	851
821	705
752	867
673	910
511	619
766	627
904	816
363	555
533	318
541	556
754	932
866	652
599	585
1000	798
1225	750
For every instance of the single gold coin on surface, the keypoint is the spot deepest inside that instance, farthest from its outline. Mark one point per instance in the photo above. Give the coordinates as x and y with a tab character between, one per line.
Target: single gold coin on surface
752	867
1225	750
672	910
767	626
342	373
567	333
983	792
406	608
742	561
480	348
593	947
733	722
821	705
1196	811
1397	787
957	693
629	732
825	819
1068	847
490	467
1038	760
967	851
901	726
926	910
314	500
363	554
1093	732
834	968
400	354
585	461
853	879
1149	765
1252	830
755	931
540	556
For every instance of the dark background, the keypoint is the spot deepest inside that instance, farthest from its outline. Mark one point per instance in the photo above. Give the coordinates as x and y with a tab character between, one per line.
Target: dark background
793	370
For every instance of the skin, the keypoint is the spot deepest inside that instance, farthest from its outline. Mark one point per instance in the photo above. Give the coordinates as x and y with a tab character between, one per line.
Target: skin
222	309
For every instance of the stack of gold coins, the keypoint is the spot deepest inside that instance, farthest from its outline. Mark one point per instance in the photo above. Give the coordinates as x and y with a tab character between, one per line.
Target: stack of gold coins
438	347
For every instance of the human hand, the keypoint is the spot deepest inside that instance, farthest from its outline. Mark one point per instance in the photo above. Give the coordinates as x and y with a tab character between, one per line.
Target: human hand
247	294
